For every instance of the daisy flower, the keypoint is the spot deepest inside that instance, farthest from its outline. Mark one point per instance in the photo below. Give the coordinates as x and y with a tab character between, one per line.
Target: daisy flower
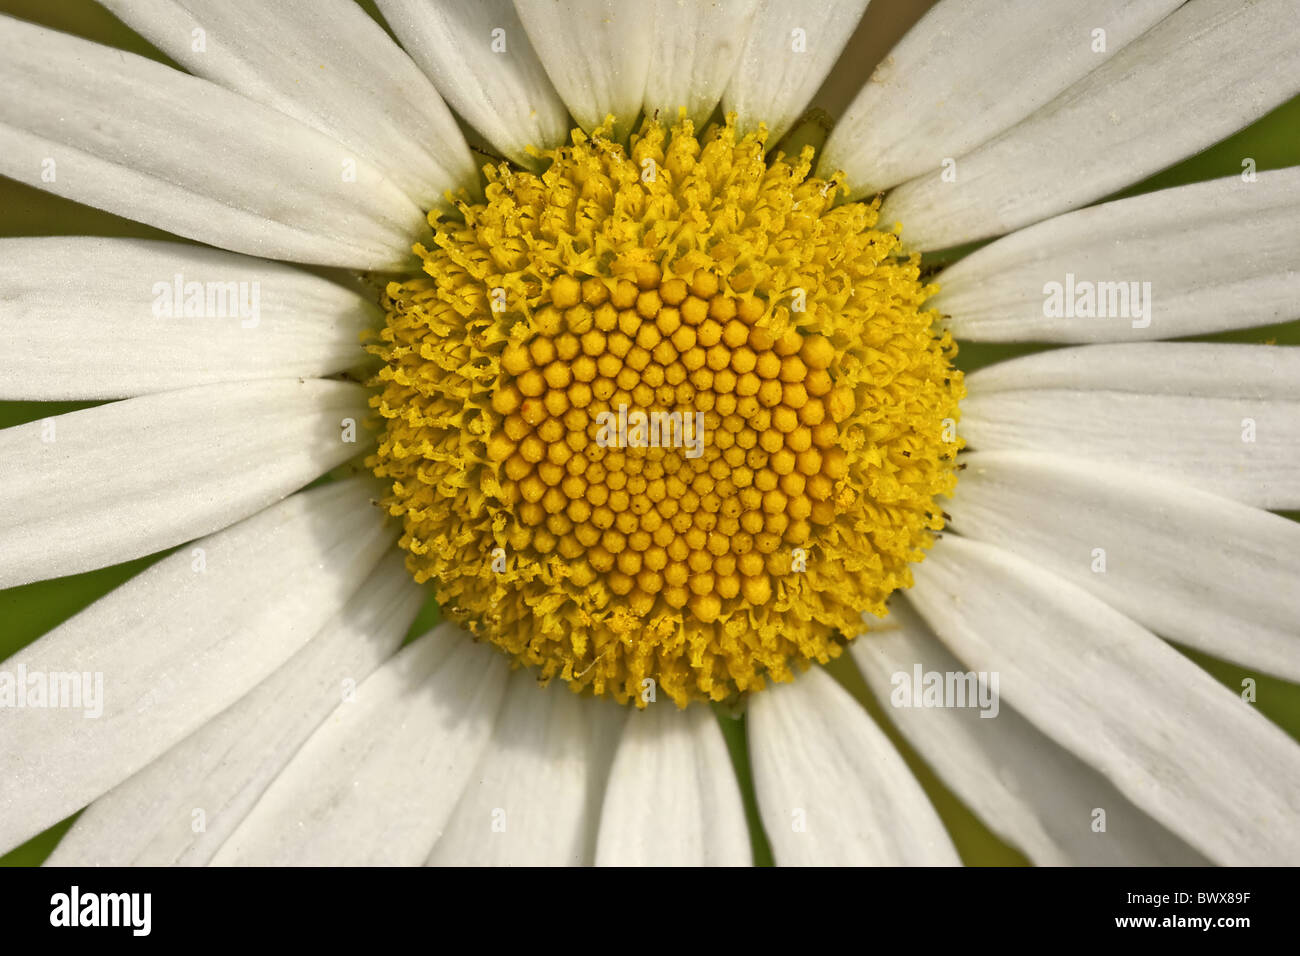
653	393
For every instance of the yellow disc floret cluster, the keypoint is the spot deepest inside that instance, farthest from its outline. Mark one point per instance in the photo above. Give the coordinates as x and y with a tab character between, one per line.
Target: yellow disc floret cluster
665	414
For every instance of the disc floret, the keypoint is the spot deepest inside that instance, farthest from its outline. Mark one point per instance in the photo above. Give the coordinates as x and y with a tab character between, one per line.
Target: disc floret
805	399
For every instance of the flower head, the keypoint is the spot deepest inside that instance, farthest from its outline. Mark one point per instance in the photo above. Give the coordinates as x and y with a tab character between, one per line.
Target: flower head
663	404
787	393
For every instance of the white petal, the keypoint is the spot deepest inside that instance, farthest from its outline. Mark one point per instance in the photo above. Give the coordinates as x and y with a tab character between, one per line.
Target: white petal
1031	792
1221	61
596	53
790	49
1217	255
696	48
220	770
1196	568
178	644
87	317
535	797
672	797
377	781
327	64
1223	418
129	135
1178	744
832	789
1211	370
505	95
966	72
106	484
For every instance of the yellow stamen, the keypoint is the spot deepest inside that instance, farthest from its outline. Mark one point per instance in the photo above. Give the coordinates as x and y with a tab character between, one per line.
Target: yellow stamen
689	278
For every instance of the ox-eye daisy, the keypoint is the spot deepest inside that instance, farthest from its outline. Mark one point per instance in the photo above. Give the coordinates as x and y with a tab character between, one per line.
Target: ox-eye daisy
661	409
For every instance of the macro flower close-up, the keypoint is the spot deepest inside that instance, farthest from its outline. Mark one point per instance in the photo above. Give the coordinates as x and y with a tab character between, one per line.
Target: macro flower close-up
649	433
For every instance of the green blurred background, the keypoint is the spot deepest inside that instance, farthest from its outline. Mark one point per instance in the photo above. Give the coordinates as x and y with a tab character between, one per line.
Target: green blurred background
28	612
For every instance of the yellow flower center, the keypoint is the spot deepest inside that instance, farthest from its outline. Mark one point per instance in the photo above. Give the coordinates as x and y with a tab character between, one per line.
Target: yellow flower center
667	420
